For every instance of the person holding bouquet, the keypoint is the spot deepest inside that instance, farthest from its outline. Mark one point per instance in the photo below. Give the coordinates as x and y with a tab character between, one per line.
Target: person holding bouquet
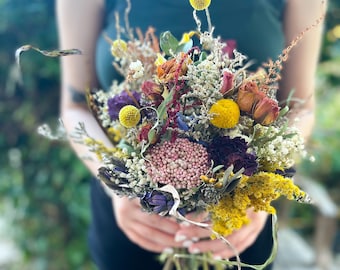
121	235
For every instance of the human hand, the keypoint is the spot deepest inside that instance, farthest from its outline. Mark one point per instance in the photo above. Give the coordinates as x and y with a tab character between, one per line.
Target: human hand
149	231
240	240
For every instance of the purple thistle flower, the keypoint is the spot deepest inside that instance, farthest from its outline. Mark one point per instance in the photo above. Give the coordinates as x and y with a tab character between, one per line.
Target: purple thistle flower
120	100
157	202
227	151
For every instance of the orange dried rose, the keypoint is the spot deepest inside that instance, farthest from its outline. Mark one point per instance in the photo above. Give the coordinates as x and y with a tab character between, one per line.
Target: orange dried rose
266	111
248	96
263	109
172	68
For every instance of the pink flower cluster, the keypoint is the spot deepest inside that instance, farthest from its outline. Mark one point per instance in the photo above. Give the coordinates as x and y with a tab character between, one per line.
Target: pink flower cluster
179	163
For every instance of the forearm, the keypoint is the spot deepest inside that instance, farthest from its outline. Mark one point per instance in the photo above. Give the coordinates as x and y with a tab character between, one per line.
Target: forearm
79	30
302	116
299	71
71	118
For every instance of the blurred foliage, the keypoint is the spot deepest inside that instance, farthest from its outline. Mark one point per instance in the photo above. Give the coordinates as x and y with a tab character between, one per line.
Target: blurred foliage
331	45
43	181
47	185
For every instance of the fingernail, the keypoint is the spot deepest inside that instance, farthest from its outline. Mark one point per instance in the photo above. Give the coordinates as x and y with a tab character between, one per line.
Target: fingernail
185	224
195	239
195	251
187	243
180	237
217	257
168	250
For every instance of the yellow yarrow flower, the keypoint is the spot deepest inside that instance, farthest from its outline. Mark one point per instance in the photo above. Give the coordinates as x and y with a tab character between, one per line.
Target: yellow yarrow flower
118	48
257	192
115	134
129	116
225	113
200	4
228	216
101	150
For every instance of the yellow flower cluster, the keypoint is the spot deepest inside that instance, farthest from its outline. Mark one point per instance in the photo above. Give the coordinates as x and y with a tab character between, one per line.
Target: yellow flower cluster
101	150
115	134
118	48
225	113
257	191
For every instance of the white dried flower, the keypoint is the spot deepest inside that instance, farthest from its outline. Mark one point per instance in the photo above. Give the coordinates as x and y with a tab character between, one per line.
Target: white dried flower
136	69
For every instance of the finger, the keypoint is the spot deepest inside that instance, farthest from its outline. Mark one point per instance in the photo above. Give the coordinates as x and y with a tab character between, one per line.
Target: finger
130	210
243	235
249	232
238	240
198	217
192	233
164	224
151	239
219	248
161	229
145	243
147	230
243	238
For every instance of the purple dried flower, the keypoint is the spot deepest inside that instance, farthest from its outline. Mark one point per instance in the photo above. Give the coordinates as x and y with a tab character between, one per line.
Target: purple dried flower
181	122
120	100
227	151
157	202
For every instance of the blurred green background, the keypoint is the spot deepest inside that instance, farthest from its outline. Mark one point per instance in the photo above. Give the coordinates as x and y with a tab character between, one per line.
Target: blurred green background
44	192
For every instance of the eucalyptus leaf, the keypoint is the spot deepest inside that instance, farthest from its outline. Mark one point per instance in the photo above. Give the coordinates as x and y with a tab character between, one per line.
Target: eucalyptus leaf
284	111
162	108
125	146
217	168
227	174
230	182
151	135
168	43
202	57
232	185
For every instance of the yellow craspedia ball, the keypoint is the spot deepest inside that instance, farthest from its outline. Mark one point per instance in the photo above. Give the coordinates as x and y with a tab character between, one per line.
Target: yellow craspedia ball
225	113
200	4
129	116
118	48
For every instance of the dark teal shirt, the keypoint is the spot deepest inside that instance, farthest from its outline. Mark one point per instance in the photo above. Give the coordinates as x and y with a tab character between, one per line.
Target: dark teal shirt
255	25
